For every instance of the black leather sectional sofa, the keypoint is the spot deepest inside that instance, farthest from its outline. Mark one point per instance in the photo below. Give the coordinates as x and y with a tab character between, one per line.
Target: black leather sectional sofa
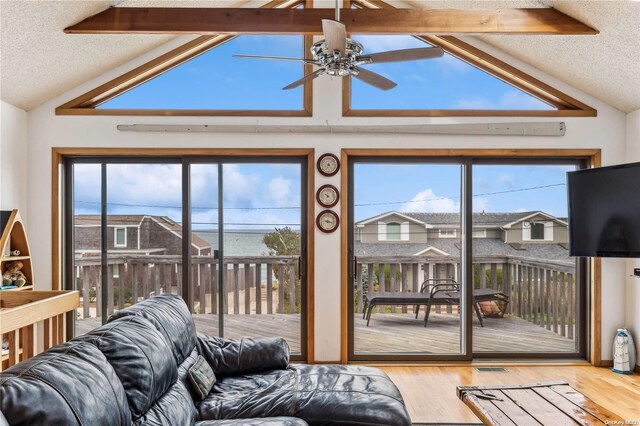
133	371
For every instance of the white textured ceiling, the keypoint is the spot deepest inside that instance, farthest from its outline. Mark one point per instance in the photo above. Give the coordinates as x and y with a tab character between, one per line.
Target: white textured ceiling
38	61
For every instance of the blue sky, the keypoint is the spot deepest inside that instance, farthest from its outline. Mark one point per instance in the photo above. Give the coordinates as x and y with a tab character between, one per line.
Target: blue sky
216	80
263	196
256	196
436	188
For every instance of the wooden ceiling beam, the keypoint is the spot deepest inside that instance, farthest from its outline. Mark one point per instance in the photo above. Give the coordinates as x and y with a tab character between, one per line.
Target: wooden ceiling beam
209	21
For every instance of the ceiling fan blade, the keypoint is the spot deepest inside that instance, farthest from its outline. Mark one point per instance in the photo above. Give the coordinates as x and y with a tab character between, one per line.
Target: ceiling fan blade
376	80
278	58
403	55
335	35
304	79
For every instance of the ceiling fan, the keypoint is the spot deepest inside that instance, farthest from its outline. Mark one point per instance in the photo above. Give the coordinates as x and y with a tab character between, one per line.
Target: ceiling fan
338	55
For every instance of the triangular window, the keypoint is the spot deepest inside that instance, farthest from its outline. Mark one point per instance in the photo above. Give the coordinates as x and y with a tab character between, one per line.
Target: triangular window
216	80
445	83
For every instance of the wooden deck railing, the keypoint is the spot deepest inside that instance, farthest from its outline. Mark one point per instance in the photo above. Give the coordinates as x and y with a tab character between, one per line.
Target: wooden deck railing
542	292
254	285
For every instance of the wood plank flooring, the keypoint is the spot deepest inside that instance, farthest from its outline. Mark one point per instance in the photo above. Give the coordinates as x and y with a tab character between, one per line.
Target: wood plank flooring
430	392
392	333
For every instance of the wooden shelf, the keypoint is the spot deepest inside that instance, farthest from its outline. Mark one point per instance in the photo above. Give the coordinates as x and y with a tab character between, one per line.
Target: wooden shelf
14	237
26	287
12	258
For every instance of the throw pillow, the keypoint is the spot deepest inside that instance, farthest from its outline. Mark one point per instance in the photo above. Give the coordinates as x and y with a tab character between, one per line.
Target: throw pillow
202	377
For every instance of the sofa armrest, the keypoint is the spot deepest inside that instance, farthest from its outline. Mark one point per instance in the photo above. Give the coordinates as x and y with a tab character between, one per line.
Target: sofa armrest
244	356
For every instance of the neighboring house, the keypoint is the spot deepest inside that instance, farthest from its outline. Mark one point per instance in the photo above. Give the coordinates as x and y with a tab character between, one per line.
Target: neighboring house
134	234
534	234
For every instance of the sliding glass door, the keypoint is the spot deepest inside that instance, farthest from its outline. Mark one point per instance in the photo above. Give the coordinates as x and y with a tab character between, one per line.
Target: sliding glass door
418	227
407	245
224	233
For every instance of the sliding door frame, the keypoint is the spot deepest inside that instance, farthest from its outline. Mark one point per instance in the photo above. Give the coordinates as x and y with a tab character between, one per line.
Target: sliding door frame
61	194
590	346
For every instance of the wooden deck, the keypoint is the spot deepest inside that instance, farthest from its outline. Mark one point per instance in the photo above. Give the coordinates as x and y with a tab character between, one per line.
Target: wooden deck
393	333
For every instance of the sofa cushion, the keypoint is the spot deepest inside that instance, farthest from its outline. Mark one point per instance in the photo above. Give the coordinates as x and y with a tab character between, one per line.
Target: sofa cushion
318	394
70	384
171	317
140	357
244	356
269	421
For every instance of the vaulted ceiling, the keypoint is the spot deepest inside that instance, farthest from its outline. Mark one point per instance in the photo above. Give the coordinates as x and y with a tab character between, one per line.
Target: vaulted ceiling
38	61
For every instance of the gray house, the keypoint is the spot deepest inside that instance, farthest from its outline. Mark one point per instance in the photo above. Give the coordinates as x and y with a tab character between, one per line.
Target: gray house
134	234
534	234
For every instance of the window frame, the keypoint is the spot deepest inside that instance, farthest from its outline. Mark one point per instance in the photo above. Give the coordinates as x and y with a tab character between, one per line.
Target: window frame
62	230
566	105
587	273
115	236
399	233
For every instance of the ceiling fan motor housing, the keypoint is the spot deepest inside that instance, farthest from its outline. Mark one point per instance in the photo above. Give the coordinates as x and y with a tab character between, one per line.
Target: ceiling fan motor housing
333	62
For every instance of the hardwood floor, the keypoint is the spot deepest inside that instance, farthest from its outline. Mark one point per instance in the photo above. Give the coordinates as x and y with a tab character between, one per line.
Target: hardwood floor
430	392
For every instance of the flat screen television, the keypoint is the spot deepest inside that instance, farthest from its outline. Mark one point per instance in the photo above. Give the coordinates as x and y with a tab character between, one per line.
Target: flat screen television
604	211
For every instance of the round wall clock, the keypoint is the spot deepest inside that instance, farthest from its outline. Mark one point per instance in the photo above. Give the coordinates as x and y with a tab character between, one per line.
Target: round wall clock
327	196
328	164
327	221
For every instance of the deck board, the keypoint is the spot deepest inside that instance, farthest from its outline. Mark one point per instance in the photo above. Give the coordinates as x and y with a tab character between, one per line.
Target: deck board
393	333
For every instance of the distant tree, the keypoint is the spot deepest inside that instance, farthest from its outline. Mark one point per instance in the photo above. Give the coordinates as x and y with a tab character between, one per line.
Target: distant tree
285	242
282	242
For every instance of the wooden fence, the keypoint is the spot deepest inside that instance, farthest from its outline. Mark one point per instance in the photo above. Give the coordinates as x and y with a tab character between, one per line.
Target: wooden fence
542	292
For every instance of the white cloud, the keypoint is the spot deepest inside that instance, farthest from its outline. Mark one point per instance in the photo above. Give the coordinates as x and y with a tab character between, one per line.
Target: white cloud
449	63
513	99
474	103
239	188
415	77
521	210
383	43
507	179
427	201
280	191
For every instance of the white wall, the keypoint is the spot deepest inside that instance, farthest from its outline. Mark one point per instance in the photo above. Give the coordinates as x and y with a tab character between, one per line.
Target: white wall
632	320
606	131
14	170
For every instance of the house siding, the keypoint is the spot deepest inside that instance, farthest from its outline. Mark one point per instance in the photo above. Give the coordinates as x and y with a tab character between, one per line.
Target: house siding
89	238
417	232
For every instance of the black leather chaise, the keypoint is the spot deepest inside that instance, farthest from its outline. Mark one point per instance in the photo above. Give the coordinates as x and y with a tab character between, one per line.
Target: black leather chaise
133	371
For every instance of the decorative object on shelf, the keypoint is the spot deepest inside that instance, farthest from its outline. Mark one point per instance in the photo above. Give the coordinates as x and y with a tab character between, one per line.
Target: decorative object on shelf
328	164
13	275
327	195
327	221
16	266
624	353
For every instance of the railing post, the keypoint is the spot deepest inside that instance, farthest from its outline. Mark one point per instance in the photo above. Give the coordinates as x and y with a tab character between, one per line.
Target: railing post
269	288
358	304
392	279
247	289
292	288
236	288
258	282
563	330
86	286
213	268
404	271
571	306
281	288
